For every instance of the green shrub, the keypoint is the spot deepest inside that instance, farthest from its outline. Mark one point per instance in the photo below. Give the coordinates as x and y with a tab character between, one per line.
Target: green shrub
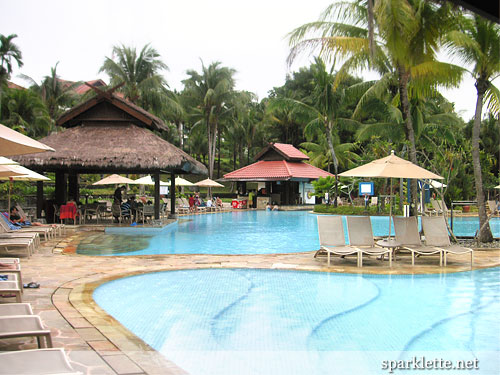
353	210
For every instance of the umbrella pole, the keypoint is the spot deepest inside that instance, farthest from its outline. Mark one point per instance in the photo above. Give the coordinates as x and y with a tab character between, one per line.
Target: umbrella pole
390	210
10	192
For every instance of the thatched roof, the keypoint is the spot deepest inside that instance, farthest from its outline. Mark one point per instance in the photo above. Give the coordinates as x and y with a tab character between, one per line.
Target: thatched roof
108	106
115	147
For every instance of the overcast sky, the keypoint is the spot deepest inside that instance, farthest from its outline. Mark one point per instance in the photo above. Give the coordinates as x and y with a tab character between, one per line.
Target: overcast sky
248	36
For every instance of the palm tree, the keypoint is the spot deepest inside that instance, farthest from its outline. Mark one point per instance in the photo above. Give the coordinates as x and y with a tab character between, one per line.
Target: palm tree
56	94
478	44
328	101
24	111
8	52
140	73
210	94
405	46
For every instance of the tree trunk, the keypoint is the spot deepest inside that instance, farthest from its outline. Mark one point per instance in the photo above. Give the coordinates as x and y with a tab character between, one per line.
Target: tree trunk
485	235
410	133
181	134
371	39
334	157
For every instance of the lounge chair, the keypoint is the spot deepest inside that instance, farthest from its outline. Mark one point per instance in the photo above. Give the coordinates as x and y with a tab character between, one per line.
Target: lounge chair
360	233
441	208
31	235
23	326
406	229
37	361
13	271
332	239
436	235
17	246
47	231
8	309
492	205
10	288
59	228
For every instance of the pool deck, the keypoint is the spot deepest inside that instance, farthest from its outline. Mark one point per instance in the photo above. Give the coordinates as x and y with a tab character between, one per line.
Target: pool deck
98	344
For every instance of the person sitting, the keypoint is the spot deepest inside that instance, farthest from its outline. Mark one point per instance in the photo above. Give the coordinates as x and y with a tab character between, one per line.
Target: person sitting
268	206
275	207
192	206
117	196
125	207
133	207
218	202
15	218
209	203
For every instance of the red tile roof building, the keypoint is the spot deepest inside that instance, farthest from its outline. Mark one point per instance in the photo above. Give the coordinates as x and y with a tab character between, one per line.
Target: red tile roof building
283	169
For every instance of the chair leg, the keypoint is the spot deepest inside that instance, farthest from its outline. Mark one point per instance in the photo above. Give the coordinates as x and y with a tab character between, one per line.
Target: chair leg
412	258
390	258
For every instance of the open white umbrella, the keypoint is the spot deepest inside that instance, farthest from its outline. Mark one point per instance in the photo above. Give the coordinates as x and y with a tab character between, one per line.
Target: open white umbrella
208	183
148	180
19	173
15	143
114	179
497	187
179	181
8	171
7	161
389	167
24	174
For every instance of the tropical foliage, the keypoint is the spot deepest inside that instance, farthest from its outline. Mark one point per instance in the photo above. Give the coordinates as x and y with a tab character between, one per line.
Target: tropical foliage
338	120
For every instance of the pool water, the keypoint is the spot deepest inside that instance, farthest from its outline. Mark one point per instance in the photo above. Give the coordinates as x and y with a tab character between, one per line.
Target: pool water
228	321
241	232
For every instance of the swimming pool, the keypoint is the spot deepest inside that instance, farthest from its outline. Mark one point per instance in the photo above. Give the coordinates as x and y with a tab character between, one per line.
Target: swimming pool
228	321
240	232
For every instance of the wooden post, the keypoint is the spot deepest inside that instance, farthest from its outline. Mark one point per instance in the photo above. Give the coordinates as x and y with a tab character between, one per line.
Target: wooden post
73	188
157	195
172	194
61	191
39	199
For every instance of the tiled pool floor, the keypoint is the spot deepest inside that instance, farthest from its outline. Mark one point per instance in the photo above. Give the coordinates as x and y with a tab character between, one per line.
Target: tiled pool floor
98	344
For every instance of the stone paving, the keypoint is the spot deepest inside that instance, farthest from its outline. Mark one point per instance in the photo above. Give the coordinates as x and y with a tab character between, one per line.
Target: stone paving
98	344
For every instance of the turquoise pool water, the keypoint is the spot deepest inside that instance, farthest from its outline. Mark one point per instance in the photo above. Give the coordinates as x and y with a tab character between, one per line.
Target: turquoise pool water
240	321
245	232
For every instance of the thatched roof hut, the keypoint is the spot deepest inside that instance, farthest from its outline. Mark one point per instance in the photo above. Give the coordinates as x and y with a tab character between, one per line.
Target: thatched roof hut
114	148
108	134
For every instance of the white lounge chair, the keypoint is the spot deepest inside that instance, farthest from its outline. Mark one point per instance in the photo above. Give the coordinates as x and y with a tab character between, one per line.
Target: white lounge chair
17	246
360	233
406	229
16	270
436	235
36	362
492	205
10	288
24	326
7	309
332	239
48	232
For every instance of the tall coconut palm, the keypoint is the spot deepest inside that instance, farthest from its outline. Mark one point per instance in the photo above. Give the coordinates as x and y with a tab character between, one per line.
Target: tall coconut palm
140	73
478	44
210	94
9	53
407	38
56	94
23	110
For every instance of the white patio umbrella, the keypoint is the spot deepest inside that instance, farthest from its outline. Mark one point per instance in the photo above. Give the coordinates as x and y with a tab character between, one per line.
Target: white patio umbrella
208	183
15	143
179	181
148	180
7	161
114	179
7	171
497	187
389	167
19	173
